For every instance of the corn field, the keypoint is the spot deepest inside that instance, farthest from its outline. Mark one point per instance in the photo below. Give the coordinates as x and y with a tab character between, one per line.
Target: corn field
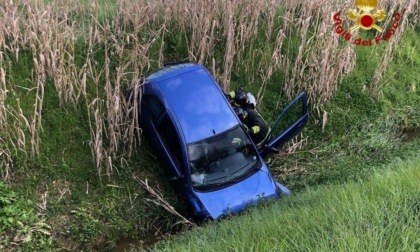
124	40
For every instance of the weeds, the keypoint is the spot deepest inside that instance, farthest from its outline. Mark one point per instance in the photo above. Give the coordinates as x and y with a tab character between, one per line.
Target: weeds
85	227
19	225
160	201
379	214
120	44
81	58
405	10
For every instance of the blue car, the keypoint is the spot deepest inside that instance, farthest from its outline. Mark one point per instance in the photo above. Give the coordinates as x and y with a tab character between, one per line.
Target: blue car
208	156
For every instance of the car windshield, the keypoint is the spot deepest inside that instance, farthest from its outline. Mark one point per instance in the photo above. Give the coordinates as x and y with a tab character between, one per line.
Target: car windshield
222	159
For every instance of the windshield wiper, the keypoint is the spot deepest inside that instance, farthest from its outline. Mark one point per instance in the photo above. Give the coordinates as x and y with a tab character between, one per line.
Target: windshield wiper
240	169
207	181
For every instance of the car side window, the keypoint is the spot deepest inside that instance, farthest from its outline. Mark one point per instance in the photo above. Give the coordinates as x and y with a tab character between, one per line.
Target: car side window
169	136
153	107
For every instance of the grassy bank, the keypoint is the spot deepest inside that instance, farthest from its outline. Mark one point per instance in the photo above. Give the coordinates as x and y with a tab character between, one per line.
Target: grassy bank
378	214
69	146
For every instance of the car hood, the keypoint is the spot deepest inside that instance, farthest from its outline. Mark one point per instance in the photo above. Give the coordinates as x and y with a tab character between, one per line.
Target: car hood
237	197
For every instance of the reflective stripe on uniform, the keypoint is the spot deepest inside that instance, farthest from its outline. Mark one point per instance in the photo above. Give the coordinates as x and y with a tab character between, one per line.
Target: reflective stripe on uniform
236	140
255	129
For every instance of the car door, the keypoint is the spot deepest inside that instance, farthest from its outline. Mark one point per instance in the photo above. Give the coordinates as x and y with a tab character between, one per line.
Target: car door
151	110
290	122
164	137
170	143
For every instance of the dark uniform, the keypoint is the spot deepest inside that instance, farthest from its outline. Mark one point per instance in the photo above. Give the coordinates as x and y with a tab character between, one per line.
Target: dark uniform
256	126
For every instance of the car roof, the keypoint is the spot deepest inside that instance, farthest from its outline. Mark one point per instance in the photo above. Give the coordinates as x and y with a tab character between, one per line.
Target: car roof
196	101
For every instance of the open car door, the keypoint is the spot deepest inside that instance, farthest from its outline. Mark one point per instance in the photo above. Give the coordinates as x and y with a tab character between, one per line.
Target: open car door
290	122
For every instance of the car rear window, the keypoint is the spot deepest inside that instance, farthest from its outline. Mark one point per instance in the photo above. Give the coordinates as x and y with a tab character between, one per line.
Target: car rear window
153	107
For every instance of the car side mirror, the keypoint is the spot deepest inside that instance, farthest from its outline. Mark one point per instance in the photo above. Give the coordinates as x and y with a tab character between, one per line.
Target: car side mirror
175	178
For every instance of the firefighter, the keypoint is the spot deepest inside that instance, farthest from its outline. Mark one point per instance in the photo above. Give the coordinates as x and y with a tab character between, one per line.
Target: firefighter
242	100
255	125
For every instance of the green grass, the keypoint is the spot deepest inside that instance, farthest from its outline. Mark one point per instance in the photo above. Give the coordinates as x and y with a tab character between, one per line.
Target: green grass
87	212
378	214
18	222
362	131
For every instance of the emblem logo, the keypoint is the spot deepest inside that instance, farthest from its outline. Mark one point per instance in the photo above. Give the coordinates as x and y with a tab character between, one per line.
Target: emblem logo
366	20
